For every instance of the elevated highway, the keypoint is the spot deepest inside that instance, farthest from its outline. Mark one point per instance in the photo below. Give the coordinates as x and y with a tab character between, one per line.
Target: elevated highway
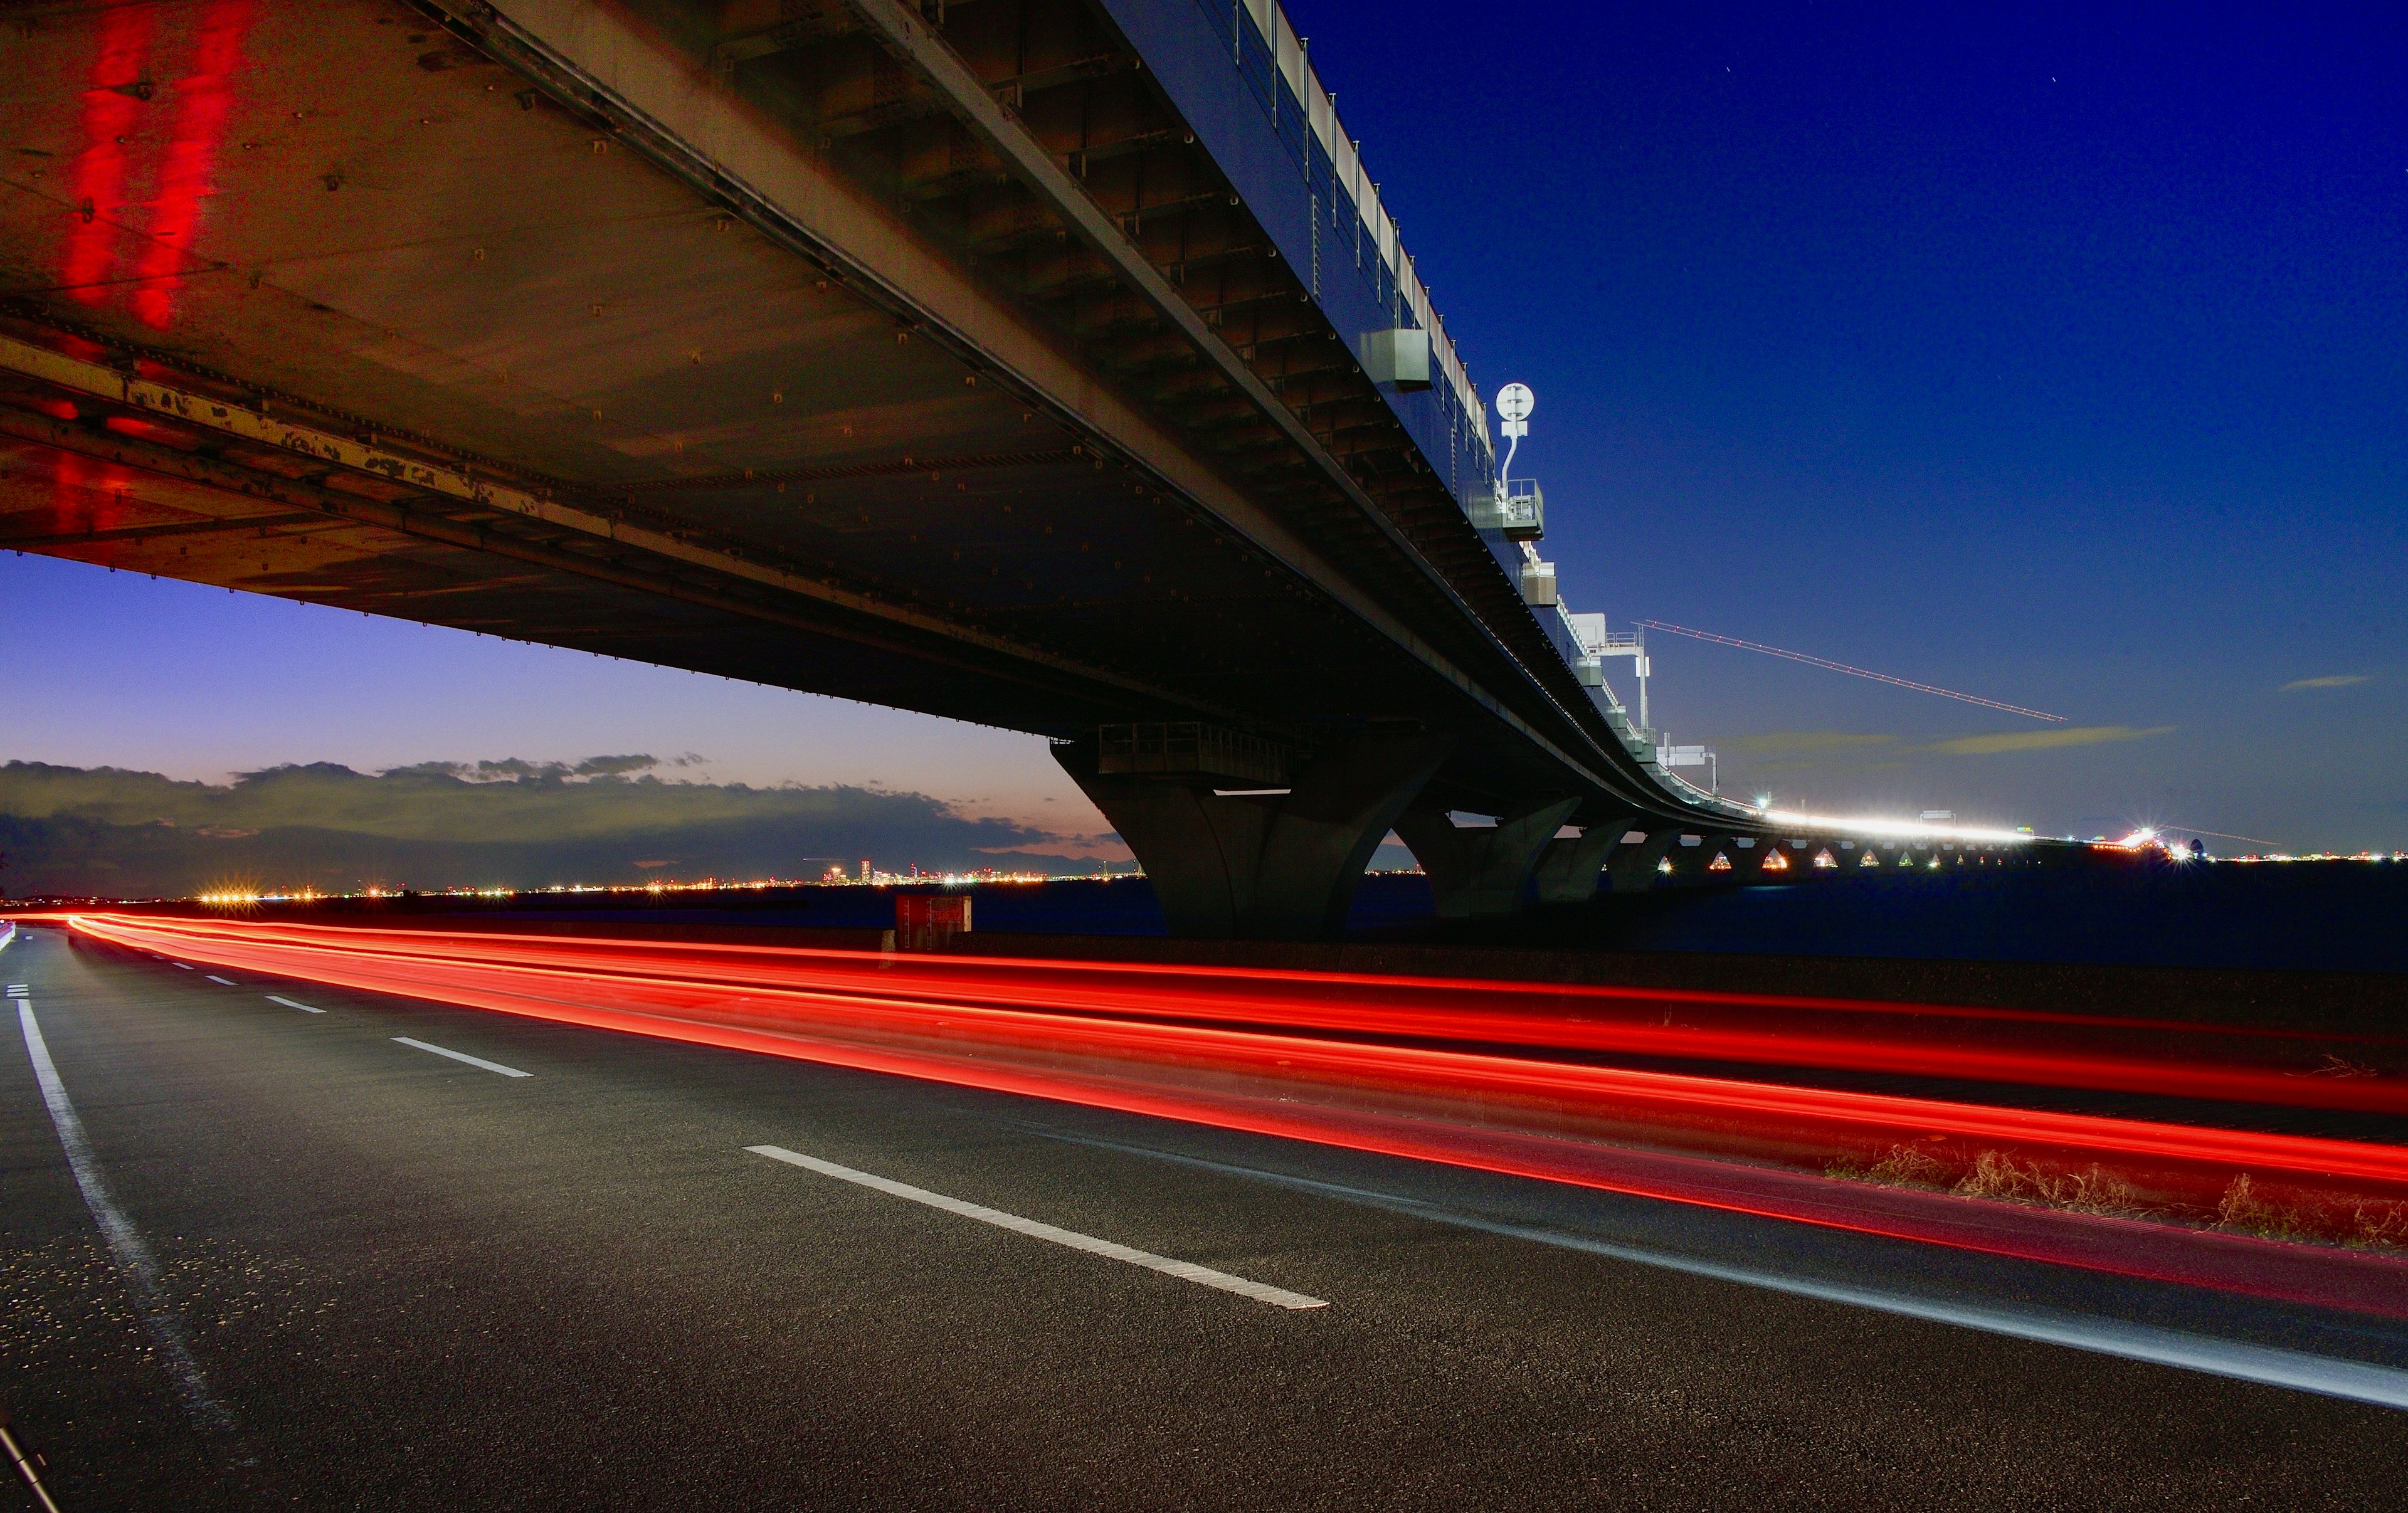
1046	363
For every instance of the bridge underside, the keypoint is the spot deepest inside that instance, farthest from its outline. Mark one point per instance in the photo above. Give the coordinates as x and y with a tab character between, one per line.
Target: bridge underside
922	361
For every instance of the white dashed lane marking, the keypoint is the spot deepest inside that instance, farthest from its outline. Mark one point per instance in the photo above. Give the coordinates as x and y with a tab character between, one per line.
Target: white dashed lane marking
460	1056
1184	1270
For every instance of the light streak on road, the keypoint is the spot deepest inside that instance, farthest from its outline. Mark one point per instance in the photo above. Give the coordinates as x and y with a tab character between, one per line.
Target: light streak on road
2115	1054
1500	1077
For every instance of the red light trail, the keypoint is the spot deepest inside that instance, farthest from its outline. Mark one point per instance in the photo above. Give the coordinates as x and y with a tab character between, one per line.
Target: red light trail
2109	1055
1496	1075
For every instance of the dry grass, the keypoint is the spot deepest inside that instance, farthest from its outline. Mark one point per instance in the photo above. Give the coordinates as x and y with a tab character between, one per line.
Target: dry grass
2241	1208
1901	1166
1994	1174
2245	1207
2380	1224
1907	1166
2092	1191
2334	1066
2373	1223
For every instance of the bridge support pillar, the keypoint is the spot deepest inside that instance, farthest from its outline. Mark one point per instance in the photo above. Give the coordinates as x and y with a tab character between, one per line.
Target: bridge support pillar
1699	866
1266	865
1746	859
1478	872
1693	866
1571	868
1630	866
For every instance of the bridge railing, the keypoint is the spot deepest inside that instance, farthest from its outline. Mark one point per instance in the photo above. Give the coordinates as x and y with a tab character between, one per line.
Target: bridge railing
1235	68
1244	79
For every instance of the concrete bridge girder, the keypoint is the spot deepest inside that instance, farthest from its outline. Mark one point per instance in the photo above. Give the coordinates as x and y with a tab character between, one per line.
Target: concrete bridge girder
1481	871
1262	864
1572	867
1631	866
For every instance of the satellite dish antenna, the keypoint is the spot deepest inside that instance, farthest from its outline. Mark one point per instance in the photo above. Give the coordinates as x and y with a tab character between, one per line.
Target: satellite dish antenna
1514	402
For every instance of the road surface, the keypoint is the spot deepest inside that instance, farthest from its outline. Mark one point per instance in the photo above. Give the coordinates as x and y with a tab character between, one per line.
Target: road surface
346	1259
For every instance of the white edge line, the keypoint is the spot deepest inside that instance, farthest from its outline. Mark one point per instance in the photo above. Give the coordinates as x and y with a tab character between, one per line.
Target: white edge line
290	1003
2358	1382
126	1246
460	1056
1185	1270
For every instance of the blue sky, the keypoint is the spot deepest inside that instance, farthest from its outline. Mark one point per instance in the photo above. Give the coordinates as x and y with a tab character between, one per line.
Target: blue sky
2057	357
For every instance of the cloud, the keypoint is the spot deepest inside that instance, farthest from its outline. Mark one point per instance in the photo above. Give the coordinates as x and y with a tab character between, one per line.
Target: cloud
2042	740
615	766
1805	743
513	768
522	824
2330	680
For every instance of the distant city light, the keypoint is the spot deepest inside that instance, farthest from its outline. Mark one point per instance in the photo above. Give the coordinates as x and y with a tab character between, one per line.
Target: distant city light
837	878
2142	839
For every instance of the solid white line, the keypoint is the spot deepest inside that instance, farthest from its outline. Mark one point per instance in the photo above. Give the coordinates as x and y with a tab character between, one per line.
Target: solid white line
2361	1381
290	1003
125	1242
1185	1270
214	978
461	1056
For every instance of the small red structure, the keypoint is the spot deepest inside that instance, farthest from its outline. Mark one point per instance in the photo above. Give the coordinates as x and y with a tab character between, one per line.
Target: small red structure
924	921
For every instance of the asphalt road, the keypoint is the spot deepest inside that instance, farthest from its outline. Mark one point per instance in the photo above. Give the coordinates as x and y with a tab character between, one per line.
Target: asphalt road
381	1277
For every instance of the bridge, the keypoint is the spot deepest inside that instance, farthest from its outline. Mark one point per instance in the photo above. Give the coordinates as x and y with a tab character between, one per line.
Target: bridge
1051	364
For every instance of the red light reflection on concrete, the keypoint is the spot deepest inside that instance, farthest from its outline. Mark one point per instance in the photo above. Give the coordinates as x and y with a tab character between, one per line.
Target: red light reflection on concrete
113	113
88	494
204	100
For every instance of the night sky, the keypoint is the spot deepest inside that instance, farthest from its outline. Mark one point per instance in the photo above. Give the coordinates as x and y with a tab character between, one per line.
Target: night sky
2054	356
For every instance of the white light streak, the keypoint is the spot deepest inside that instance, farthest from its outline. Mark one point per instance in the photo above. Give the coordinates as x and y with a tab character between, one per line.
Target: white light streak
1897	829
